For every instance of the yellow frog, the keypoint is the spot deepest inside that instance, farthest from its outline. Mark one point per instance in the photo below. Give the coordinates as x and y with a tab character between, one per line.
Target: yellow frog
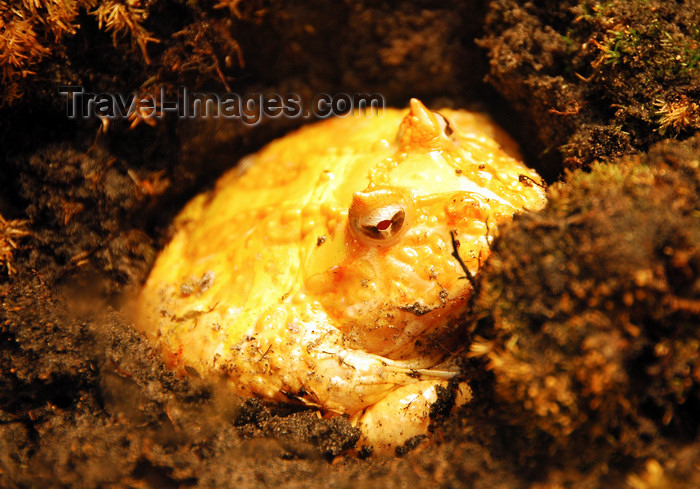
330	268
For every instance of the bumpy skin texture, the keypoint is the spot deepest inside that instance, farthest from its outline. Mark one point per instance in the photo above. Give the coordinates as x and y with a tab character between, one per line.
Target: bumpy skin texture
321	269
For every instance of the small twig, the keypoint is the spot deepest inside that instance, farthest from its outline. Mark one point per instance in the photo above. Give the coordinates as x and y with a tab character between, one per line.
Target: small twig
575	109
488	235
525	179
266	352
455	253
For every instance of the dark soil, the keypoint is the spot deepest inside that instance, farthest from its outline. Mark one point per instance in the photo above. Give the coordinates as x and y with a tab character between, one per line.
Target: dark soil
584	338
587	313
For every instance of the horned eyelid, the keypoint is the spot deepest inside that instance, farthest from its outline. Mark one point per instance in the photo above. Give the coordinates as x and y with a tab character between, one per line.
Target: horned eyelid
379	217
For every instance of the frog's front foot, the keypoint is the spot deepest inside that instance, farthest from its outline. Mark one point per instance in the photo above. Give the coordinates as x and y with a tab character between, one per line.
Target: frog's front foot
403	414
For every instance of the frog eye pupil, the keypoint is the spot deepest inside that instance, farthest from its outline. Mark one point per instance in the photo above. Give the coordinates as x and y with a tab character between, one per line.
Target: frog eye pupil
383	229
379	217
384	225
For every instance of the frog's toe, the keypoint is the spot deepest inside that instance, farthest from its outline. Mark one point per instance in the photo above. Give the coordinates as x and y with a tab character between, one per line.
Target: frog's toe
403	414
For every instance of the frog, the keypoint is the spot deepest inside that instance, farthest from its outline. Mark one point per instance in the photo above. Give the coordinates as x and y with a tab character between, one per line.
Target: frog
333	268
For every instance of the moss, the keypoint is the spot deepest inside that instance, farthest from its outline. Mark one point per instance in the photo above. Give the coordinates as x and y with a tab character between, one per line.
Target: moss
36	29
653	45
635	52
11	234
676	114
590	310
630	65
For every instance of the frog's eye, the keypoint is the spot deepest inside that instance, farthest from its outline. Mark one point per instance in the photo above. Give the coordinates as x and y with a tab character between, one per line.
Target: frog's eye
445	125
380	217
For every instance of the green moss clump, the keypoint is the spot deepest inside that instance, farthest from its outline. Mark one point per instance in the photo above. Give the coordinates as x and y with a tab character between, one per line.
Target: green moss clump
642	59
589	312
596	80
